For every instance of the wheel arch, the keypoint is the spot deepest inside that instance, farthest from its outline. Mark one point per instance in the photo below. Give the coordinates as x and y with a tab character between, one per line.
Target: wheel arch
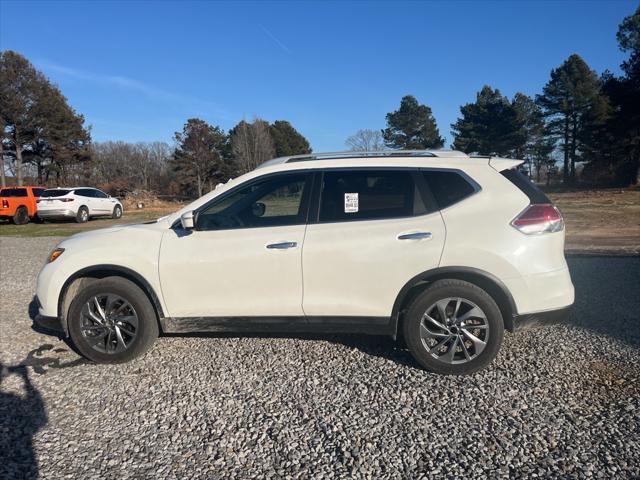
94	272
485	280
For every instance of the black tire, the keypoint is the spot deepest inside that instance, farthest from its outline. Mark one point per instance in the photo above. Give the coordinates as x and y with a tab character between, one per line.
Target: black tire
117	212
21	217
146	330
83	215
473	295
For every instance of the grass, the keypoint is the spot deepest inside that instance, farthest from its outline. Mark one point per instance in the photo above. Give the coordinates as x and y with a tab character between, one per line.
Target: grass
69	227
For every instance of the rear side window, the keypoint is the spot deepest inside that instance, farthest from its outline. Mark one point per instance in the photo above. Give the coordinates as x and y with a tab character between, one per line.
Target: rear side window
84	192
526	186
38	191
448	187
13	192
54	193
369	195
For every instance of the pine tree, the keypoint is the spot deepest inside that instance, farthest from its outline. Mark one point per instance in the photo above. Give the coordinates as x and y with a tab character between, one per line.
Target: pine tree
412	126
199	159
489	126
568	101
287	140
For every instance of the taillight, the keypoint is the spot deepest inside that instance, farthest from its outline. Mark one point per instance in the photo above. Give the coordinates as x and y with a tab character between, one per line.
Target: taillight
539	218
5	203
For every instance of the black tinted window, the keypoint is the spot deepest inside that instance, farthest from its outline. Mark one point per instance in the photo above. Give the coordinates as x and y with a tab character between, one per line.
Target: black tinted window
13	192
99	194
271	202
54	193
38	191
84	192
526	186
448	187
368	195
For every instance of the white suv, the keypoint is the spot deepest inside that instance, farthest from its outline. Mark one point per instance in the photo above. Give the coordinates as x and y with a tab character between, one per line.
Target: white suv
446	249
80	203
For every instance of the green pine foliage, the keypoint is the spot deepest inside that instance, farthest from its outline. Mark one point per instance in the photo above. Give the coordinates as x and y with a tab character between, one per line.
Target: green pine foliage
412	127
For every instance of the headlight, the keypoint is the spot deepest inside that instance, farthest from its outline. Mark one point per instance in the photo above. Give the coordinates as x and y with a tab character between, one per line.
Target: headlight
55	254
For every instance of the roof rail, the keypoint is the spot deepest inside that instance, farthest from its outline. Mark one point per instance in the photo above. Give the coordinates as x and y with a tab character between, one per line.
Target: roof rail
367	154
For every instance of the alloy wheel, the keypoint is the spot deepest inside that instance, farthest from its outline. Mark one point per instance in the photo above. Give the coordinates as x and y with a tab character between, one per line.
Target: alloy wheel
454	330
109	323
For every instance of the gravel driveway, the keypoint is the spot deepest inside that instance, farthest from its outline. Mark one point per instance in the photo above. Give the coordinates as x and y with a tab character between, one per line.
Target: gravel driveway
562	401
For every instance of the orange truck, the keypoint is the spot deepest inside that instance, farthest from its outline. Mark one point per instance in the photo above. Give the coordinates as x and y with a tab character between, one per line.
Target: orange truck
19	204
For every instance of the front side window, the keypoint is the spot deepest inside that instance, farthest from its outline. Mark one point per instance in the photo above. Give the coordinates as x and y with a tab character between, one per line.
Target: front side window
274	201
369	195
99	194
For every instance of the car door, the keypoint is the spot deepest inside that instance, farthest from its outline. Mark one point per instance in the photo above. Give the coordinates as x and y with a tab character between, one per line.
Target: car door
243	259
86	199
375	230
103	204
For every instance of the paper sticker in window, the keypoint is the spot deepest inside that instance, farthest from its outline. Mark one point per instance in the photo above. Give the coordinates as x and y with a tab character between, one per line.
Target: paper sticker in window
350	202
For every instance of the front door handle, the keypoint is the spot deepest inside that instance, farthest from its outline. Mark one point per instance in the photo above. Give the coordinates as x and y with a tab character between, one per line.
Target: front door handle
415	236
282	245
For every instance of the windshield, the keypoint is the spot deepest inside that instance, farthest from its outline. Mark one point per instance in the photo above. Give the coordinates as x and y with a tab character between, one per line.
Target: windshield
54	193
13	192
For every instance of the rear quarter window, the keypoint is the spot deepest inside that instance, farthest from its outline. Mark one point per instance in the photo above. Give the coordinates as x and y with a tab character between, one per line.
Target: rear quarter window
448	187
526	186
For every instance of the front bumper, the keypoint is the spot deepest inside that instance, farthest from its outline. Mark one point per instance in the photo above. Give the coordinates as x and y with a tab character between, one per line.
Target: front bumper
57	213
50	323
540	319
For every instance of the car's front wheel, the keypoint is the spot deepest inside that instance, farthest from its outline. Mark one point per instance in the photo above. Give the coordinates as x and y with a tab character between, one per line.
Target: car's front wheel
117	212
111	320
453	328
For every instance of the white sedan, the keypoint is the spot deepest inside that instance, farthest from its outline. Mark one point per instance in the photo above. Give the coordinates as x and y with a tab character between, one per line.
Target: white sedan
80	203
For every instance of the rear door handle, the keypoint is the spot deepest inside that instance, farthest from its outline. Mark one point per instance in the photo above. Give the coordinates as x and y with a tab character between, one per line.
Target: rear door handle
282	245
415	236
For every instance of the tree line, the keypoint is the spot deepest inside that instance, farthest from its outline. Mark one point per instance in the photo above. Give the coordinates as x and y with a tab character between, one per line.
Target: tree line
578	118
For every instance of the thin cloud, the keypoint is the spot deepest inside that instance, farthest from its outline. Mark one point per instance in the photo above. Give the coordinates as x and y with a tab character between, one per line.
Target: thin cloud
130	84
275	39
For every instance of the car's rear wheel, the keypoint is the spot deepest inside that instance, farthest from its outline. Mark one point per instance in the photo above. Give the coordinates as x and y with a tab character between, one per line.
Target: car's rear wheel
453	328
21	217
111	320
117	212
83	215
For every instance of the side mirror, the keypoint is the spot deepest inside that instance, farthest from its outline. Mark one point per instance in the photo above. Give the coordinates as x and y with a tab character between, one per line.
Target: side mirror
258	209
187	219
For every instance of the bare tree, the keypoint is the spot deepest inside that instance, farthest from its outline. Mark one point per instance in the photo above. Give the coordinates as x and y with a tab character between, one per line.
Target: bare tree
128	166
366	141
251	144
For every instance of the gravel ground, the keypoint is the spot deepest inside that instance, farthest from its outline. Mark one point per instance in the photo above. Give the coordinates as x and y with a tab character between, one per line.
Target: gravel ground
561	401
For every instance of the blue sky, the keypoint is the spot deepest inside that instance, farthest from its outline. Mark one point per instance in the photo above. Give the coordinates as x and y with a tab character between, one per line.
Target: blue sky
138	70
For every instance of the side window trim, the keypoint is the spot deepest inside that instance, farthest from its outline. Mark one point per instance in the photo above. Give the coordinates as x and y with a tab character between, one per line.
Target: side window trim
304	201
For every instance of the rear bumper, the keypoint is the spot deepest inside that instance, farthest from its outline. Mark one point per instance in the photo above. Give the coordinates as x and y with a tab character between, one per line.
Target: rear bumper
58	213
540	319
